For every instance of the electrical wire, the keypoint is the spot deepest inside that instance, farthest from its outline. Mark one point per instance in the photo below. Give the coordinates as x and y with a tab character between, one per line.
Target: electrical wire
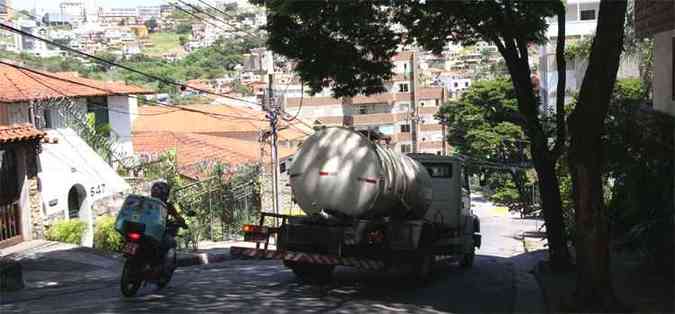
199	18
194	8
302	97
22	68
111	63
22	12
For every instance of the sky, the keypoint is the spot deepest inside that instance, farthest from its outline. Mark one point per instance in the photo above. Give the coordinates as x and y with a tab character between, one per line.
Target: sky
54	4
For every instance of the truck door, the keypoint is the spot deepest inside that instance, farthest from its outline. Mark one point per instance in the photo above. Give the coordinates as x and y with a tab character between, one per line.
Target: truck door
444	198
466	192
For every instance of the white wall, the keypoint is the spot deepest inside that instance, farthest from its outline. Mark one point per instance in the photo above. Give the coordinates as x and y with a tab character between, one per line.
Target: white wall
663	72
122	111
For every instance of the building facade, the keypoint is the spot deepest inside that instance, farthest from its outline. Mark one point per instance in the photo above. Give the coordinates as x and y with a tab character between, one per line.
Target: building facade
656	19
76	179
390	112
20	199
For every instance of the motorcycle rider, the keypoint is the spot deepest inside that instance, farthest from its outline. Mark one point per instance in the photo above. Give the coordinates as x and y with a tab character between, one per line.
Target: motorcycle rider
161	190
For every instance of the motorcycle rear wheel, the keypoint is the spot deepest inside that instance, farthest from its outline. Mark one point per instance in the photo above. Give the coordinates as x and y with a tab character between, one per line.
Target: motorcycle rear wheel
164	279
129	283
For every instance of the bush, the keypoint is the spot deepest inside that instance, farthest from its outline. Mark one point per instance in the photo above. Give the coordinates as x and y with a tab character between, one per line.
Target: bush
106	237
69	231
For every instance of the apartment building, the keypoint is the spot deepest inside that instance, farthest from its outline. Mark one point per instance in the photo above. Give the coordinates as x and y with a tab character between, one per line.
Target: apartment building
390	112
656	19
581	21
5	12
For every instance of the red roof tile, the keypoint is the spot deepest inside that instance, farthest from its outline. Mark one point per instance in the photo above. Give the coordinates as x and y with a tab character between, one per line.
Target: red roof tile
313	101
17	85
196	152
402	56
211	119
423	93
377	98
19	133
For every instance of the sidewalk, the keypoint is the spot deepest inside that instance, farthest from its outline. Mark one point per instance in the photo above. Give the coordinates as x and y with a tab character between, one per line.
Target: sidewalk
48	264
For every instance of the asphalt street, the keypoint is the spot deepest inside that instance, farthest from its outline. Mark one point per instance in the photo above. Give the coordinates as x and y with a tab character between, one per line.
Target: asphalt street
498	282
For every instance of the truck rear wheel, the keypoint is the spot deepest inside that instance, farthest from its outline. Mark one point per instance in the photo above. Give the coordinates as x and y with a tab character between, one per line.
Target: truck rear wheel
423	267
311	273
467	259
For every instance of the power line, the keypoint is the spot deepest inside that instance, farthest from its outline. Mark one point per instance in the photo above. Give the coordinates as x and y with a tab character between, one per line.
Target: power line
199	18
117	94
111	63
23	12
195	8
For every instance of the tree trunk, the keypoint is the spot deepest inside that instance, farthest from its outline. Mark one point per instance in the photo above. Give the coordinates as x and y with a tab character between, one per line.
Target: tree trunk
594	290
545	167
549	187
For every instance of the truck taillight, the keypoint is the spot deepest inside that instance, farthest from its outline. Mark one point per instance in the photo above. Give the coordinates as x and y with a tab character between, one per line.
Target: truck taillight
254	229
375	237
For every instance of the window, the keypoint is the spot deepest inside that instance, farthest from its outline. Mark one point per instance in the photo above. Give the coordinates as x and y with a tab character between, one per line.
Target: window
363	109
8	177
466	84
403	88
439	170
406	148
456	84
587	15
405	128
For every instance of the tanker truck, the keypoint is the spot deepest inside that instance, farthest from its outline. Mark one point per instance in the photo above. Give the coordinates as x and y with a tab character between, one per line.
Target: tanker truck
369	207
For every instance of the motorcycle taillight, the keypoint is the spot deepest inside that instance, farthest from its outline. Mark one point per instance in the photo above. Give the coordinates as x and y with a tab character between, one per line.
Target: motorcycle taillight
134	236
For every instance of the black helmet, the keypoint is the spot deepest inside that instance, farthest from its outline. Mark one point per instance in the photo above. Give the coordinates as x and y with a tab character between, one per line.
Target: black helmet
160	190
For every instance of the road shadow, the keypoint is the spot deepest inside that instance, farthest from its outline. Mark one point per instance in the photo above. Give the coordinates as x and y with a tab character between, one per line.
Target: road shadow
50	265
266	286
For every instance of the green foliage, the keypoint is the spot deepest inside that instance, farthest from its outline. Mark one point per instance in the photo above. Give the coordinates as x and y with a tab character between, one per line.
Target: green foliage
152	25
361	36
184	28
640	162
479	126
506	194
182	40
51	64
105	236
219	198
580	49
67	230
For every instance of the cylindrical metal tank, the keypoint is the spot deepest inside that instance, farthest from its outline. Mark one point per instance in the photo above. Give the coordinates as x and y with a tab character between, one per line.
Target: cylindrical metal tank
341	170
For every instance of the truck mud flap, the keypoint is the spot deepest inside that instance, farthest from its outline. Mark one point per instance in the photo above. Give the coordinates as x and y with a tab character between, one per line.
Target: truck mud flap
310	258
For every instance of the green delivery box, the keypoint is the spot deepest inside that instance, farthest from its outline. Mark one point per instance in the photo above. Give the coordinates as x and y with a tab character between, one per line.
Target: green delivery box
145	210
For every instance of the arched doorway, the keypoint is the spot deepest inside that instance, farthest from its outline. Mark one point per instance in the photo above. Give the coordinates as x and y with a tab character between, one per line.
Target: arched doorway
76	197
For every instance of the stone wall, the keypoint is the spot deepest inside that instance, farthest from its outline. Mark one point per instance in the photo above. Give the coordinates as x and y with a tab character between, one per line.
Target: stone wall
286	204
36	212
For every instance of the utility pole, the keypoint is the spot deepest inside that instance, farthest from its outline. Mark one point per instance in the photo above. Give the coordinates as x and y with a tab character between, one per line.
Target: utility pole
273	115
413	101
444	122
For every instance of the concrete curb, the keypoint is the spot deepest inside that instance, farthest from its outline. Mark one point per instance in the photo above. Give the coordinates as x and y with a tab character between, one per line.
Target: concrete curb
194	259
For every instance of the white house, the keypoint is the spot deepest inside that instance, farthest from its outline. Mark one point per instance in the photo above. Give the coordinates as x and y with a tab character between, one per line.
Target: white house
73	178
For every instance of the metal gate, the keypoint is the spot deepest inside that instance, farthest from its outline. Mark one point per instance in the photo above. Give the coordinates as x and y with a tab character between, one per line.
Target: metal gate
10	224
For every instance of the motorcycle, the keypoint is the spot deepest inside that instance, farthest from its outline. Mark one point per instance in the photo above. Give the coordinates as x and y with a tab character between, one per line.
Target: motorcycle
146	260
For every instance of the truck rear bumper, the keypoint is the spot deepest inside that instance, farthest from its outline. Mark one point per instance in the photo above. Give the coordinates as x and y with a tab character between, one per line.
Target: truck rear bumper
311	258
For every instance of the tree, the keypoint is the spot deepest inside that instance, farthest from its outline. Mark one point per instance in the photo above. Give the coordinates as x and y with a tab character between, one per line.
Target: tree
182	40
476	127
359	34
586	161
184	28
640	162
151	24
